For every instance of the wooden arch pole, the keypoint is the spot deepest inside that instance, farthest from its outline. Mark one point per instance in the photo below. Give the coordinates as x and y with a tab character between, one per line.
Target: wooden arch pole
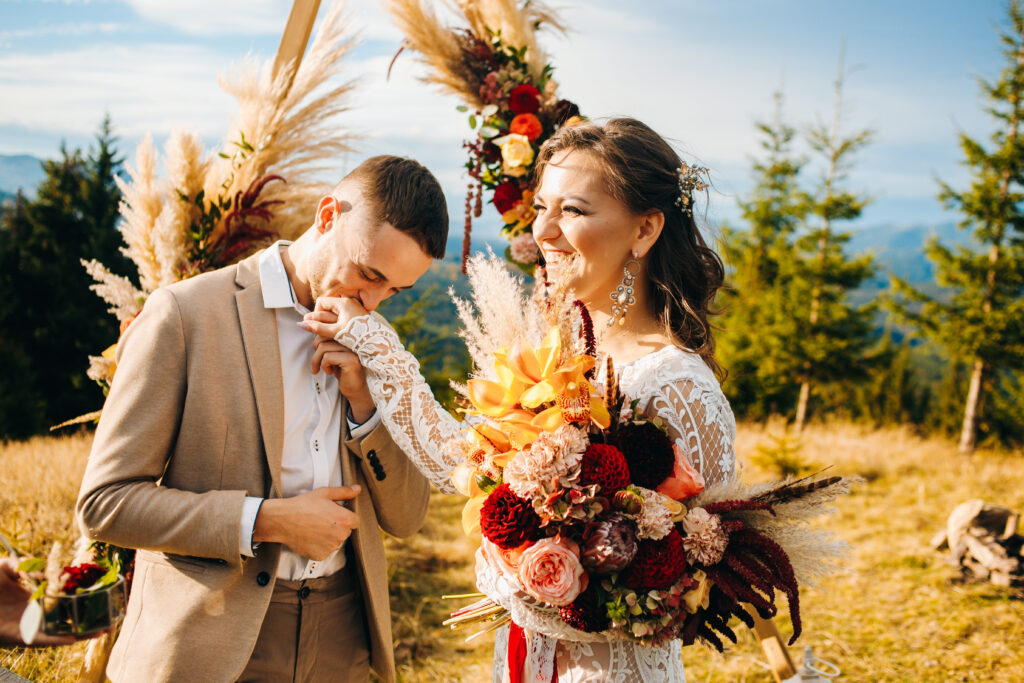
775	651
296	35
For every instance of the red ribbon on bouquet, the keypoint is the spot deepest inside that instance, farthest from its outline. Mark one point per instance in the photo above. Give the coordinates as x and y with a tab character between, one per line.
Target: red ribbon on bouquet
516	656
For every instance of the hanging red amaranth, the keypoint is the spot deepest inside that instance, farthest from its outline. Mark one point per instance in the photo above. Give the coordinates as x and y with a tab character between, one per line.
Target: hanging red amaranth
467	228
588	335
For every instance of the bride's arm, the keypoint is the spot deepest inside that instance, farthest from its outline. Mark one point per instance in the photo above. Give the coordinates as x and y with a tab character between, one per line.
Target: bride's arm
700	422
419	425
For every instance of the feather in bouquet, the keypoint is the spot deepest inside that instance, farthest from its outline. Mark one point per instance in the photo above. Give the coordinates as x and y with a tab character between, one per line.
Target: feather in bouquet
588	507
496	66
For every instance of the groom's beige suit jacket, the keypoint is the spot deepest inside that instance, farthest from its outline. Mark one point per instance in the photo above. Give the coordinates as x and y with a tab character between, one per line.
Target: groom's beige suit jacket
193	424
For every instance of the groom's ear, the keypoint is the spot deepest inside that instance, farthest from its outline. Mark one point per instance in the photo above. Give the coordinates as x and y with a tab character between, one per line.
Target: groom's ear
326	210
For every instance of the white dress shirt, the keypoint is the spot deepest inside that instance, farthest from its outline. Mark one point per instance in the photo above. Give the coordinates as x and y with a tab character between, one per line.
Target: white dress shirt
312	419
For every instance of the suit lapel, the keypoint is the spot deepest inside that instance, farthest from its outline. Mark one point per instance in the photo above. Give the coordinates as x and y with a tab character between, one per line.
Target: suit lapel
259	335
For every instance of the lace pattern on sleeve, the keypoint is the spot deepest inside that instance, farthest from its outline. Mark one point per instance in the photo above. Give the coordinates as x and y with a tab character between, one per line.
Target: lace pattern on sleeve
677	386
419	425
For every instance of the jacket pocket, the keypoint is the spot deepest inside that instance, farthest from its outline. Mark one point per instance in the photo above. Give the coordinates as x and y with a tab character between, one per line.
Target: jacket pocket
186	563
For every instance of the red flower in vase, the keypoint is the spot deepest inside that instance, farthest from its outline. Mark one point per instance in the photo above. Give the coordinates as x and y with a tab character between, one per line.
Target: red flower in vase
80	576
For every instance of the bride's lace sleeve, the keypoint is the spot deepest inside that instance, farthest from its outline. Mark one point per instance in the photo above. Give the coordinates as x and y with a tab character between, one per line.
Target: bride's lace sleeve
680	389
419	425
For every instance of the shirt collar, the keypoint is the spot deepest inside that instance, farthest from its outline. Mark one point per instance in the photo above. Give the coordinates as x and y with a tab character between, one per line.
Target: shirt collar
277	289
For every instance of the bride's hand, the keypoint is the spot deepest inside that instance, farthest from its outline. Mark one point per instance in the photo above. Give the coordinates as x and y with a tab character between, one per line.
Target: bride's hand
331	315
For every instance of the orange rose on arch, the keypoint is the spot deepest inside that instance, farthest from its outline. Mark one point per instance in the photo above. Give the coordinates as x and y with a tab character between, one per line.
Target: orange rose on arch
528	125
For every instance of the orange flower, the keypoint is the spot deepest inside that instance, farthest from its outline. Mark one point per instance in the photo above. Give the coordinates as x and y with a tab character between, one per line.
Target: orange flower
528	125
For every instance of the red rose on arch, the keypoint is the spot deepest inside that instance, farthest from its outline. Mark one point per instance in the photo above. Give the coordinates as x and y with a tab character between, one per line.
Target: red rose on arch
524	99
505	196
528	125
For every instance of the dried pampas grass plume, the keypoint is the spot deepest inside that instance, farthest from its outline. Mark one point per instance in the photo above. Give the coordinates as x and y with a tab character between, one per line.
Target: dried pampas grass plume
283	127
143	197
290	129
441	48
499	312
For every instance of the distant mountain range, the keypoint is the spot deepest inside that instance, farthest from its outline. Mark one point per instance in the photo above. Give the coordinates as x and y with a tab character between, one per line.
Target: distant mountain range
897	248
19	171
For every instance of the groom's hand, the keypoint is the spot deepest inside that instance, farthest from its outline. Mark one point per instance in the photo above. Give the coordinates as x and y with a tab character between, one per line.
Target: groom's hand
312	524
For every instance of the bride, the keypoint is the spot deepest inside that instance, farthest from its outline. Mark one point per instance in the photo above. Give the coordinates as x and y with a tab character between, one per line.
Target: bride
615	224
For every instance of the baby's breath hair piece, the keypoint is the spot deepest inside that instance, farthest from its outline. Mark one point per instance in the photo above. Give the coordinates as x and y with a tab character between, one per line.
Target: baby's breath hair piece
690	178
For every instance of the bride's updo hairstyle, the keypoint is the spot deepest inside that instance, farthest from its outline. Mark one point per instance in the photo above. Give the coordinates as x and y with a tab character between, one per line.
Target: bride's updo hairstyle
640	169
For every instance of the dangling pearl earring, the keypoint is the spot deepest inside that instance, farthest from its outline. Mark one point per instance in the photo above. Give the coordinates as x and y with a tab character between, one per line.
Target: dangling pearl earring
622	298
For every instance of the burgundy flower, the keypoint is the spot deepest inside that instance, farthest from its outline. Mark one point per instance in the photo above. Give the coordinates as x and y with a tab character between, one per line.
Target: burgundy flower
587	612
657	565
648	453
565	110
80	576
524	99
506	195
609	544
507	520
605	466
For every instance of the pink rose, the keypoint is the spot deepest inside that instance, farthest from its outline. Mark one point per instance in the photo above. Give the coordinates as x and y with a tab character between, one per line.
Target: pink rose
685	482
505	560
550	571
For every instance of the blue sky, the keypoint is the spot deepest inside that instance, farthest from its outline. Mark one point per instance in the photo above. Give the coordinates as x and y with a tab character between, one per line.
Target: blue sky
701	73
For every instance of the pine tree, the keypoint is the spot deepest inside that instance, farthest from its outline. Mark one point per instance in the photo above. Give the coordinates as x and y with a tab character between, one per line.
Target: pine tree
755	325
833	336
50	319
981	321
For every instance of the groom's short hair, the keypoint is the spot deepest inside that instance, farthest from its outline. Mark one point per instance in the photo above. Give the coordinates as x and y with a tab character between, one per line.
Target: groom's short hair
405	194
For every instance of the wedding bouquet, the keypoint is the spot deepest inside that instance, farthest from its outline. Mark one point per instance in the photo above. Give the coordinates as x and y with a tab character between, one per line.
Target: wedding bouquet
591	515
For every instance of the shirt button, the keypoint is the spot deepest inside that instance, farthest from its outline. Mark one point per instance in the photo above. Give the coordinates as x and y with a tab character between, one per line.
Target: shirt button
263	578
316	445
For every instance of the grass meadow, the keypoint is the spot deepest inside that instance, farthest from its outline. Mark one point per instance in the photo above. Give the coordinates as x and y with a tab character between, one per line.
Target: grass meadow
893	615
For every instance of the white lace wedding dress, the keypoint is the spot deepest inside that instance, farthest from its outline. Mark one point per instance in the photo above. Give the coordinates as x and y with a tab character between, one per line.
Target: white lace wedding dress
671	383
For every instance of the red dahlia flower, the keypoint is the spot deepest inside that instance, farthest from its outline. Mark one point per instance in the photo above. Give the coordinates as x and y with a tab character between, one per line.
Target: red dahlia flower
507	520
524	99
657	565
606	466
528	125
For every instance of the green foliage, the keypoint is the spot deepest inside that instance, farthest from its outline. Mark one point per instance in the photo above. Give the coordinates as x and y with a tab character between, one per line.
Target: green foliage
758	323
980	319
788	318
782	457
49	319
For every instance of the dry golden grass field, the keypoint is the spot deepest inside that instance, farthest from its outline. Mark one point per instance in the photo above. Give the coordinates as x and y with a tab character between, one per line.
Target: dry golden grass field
892	615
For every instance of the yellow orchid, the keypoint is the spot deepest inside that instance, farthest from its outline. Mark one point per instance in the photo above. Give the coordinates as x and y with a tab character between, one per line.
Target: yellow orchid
527	379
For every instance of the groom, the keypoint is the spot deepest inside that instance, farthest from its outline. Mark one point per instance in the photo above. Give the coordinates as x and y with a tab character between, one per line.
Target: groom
252	487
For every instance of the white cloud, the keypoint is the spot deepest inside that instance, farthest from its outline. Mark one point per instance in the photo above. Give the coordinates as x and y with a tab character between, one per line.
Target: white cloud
144	88
217	17
49	30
